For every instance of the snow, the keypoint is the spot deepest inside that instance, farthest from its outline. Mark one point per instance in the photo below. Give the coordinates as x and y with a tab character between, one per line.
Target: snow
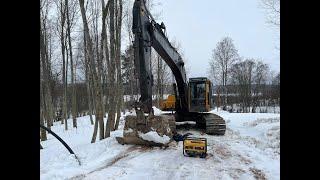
249	149
156	111
154	137
128	131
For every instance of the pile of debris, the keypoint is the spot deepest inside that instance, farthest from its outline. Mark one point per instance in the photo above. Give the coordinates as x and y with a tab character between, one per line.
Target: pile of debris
148	130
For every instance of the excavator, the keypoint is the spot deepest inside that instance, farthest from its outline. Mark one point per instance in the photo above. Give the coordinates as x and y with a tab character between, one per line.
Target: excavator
193	97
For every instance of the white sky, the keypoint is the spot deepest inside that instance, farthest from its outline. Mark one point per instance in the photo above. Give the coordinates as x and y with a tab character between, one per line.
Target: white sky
199	25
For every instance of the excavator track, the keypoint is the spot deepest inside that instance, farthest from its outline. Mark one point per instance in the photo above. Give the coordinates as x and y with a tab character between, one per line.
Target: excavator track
215	124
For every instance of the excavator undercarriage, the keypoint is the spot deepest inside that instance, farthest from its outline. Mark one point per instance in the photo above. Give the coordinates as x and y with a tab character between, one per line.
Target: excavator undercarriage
212	123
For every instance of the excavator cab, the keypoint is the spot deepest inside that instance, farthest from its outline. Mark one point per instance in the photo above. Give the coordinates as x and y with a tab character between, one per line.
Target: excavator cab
200	96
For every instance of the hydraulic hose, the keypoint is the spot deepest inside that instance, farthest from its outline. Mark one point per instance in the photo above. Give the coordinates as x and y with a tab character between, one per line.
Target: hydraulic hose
62	141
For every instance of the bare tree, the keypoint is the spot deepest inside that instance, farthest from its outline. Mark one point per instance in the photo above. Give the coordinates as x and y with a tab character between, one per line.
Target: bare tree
61	6
111	71
128	60
260	75
242	76
163	76
119	17
43	133
223	57
70	13
105	50
91	96
276	88
45	68
96	80
127	20
272	8
128	73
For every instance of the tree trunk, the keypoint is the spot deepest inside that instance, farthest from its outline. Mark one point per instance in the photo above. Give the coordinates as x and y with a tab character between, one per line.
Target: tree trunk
62	42
89	102
73	96
65	90
43	133
95	131
107	78
118	60
45	84
88	84
112	92
92	68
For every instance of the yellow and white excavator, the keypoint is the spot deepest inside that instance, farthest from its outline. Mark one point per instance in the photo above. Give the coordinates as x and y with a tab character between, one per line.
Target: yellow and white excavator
192	99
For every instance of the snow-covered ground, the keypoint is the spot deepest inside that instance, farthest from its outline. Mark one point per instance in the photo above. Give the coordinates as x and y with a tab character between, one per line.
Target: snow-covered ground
250	149
262	109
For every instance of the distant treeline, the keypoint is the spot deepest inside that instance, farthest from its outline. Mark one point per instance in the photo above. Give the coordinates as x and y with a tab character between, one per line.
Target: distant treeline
259	96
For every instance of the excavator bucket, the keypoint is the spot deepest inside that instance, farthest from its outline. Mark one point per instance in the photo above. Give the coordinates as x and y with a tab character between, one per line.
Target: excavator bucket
147	130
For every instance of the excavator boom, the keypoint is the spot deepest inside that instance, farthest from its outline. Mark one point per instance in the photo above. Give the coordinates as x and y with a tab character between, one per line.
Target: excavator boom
147	34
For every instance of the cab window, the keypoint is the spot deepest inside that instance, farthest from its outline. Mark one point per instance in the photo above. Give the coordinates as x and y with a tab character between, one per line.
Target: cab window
198	90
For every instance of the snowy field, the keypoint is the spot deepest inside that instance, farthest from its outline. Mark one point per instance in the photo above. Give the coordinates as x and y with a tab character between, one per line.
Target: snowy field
250	149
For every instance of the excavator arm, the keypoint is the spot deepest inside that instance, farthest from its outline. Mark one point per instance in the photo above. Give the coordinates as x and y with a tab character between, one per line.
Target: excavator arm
148	33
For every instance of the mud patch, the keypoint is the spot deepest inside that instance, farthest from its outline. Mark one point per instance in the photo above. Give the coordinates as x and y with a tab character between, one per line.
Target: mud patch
258	174
144	148
235	173
116	159
81	176
222	152
244	160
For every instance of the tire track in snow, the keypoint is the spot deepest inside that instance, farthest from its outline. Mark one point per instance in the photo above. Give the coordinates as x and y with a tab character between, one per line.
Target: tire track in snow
130	153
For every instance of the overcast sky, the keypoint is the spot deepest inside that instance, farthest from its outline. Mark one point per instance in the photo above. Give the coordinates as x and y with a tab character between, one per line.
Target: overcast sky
199	25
